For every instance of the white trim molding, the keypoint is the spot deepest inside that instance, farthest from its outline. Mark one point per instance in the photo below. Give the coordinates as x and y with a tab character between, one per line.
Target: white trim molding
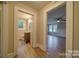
4	40
69	28
10	55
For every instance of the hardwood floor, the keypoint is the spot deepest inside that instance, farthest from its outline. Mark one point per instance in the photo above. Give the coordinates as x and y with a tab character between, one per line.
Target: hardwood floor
26	51
56	46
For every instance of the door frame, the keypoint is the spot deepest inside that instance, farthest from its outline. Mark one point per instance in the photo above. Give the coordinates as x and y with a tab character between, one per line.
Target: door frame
4	30
33	34
69	25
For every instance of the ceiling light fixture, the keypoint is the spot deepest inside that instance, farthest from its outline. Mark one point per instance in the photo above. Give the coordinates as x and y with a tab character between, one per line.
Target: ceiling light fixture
58	21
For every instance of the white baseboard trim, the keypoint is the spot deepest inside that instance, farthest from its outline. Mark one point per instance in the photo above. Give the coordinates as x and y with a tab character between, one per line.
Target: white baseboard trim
68	55
41	47
10	55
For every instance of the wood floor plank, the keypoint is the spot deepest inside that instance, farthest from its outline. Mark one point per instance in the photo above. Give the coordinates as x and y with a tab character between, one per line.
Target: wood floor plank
54	49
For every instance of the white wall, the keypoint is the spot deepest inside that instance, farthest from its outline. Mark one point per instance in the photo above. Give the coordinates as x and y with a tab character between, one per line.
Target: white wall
61	29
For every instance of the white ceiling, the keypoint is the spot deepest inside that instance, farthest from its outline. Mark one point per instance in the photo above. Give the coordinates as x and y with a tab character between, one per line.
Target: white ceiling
35	4
53	14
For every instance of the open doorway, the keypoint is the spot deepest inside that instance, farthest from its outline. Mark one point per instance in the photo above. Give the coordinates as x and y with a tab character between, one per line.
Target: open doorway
56	41
24	26
23	31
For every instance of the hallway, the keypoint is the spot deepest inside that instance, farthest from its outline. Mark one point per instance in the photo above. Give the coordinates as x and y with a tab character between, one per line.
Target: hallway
26	51
50	29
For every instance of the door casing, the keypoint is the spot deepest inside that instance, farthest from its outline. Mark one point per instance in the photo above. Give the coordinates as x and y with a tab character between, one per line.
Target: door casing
69	25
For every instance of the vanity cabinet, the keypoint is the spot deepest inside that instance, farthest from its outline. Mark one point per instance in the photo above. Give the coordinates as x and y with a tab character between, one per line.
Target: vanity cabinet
27	37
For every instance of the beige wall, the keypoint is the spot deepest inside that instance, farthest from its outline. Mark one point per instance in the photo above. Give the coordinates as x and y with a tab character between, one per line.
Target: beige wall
76	26
40	28
11	23
10	28
0	27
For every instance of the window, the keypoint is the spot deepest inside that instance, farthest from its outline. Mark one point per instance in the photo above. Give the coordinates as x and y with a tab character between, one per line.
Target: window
50	28
55	28
21	24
